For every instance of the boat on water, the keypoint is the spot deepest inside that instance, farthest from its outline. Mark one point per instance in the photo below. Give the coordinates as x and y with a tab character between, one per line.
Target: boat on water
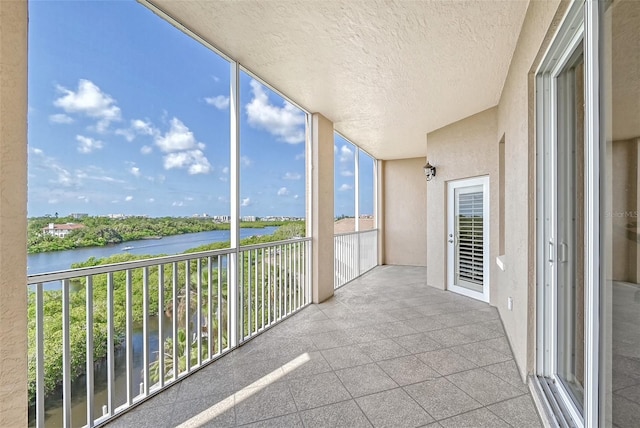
127	248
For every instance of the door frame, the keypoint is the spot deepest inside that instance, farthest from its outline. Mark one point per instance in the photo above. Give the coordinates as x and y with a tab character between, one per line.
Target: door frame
580	23
451	186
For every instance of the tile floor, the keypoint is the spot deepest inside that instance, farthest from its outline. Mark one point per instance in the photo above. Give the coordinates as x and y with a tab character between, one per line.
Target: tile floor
386	351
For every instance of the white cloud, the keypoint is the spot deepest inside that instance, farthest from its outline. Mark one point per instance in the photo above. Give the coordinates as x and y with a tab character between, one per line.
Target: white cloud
87	145
90	101
145	150
64	177
127	134
151	200
183	151
193	160
135	171
142	127
177	204
220	102
37	151
246	202
346	154
300	156
60	118
53	201
286	122
188	198
345	187
295	196
129	198
346	173
137	127
292	176
225	170
179	137
283	191
245	161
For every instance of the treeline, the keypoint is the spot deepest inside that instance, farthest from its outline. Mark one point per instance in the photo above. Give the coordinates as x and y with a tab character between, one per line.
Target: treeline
101	231
52	308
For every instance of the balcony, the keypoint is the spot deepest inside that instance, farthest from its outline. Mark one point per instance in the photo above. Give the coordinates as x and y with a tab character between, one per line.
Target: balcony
386	350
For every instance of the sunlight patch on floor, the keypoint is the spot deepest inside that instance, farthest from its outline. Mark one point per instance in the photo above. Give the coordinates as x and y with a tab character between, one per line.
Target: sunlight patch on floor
226	404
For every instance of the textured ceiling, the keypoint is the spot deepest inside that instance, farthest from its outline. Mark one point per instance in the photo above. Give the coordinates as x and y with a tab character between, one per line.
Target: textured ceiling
385	72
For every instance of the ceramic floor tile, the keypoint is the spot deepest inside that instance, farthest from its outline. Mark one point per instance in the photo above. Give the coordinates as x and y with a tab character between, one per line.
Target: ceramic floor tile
318	390
483	386
408	370
204	411
508	371
481	418
518	412
367	379
417	343
440	398
344	414
287	421
480	354
390	409
446	361
346	356
255	404
383	349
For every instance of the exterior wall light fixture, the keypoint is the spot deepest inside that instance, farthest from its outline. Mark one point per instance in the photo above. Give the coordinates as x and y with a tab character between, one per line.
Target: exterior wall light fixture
429	171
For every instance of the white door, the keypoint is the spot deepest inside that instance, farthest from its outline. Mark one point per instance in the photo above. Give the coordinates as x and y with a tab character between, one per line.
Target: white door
468	237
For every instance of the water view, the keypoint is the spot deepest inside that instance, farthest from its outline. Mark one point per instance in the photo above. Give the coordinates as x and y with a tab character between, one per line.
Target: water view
62	260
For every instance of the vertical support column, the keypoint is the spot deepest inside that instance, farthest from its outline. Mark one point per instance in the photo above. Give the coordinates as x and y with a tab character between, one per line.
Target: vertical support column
356	174
322	211
234	183
592	215
13	213
378	186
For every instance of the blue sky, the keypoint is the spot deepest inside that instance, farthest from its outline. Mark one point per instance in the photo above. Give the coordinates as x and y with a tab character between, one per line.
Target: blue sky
129	115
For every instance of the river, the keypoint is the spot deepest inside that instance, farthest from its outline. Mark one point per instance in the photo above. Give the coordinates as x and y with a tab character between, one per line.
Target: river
62	260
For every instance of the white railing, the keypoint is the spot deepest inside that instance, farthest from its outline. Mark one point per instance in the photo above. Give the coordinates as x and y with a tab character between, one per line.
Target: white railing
103	338
354	254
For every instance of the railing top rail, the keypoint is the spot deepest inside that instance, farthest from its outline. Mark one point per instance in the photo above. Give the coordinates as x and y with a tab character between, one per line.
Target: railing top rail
355	233
134	264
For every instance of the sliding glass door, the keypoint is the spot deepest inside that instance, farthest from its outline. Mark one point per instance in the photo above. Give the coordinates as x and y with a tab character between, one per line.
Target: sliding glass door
561	89
620	227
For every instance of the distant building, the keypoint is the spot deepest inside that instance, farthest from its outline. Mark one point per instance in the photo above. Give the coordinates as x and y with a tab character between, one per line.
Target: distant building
77	216
248	218
61	230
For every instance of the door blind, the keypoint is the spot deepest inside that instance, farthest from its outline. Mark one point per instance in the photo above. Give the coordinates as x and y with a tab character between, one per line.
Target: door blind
470	237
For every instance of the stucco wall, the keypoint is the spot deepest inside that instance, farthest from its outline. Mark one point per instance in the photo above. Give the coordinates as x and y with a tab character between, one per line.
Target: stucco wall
405	204
13	213
449	149
322	205
516	123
